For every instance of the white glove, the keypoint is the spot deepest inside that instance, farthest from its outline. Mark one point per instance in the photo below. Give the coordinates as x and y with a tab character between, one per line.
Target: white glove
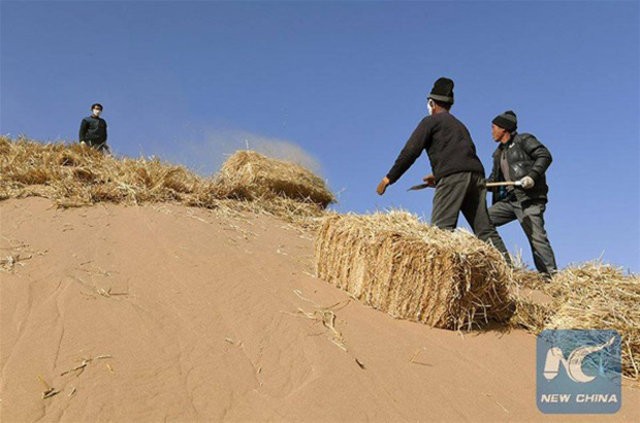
527	182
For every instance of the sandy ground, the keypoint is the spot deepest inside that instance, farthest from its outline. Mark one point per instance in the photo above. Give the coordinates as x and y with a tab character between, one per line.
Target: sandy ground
176	314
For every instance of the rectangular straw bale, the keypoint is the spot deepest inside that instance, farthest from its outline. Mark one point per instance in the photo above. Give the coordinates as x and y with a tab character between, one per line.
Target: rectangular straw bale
250	175
395	263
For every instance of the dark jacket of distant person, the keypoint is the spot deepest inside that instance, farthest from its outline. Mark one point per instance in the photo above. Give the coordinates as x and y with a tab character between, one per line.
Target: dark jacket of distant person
526	156
93	131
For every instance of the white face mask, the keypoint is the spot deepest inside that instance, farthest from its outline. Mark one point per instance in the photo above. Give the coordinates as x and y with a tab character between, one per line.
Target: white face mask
430	106
96	112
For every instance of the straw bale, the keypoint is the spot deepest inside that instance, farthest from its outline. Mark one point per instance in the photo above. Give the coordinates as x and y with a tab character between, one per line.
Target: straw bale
395	263
586	296
599	296
248	175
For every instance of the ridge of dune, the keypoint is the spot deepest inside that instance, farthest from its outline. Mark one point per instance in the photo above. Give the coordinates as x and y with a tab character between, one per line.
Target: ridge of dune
174	313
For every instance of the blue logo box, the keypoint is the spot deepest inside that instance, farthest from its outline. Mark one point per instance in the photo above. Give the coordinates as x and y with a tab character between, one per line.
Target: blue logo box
578	372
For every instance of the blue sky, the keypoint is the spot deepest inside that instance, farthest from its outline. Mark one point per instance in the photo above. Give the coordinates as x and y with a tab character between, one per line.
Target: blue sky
340	86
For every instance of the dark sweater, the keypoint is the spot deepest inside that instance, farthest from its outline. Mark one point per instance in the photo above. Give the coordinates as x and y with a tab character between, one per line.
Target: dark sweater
93	130
448	144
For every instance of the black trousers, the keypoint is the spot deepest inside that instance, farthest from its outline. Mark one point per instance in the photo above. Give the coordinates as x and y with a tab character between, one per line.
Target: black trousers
465	192
530	214
100	146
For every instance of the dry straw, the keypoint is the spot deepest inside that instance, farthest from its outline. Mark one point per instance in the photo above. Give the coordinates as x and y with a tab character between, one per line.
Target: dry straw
248	175
588	296
414	271
596	296
390	261
533	306
75	175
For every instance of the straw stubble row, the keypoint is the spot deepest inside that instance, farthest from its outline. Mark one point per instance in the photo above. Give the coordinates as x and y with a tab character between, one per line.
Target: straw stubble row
74	175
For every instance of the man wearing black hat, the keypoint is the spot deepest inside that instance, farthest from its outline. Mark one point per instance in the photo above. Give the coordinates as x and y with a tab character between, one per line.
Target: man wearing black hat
93	130
521	158
458	174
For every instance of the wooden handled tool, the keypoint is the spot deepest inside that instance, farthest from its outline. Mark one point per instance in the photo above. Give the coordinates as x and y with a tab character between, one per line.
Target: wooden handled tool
488	185
504	184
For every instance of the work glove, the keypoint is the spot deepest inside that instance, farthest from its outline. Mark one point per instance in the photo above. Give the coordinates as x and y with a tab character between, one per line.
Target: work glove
382	186
527	182
430	180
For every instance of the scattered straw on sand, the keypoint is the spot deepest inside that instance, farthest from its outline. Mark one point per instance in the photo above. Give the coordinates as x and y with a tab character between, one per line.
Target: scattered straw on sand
15	253
8	263
78	370
414	271
327	316
49	391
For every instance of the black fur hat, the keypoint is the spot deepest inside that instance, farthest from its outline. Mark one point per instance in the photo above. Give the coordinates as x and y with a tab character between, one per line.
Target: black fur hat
442	90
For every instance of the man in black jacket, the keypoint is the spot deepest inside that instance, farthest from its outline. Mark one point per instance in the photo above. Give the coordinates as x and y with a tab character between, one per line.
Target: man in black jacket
93	130
521	157
458	174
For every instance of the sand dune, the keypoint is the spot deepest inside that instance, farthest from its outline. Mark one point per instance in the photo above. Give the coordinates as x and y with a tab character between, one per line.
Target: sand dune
180	314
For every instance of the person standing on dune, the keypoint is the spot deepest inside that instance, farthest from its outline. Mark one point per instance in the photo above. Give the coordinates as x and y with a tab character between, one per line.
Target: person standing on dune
458	174
93	130
521	157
